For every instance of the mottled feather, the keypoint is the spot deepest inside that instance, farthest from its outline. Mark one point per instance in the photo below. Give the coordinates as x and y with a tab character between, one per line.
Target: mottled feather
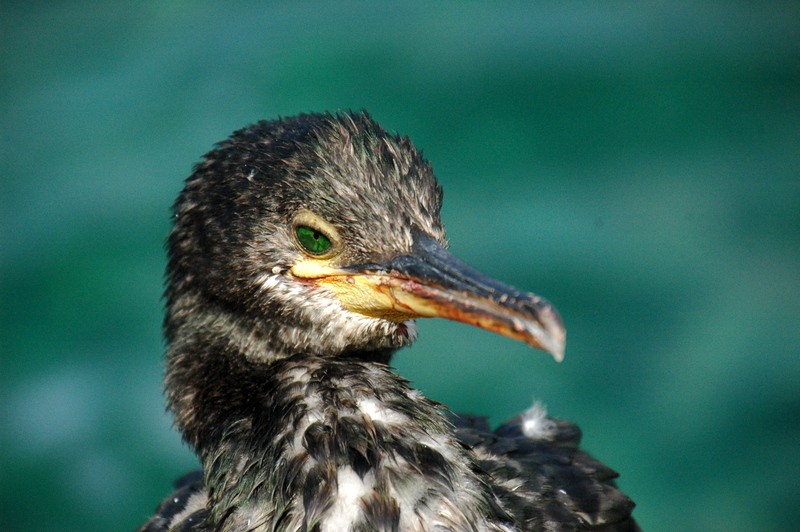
285	394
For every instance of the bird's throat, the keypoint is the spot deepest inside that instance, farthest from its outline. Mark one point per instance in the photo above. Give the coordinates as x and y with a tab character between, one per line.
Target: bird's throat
305	437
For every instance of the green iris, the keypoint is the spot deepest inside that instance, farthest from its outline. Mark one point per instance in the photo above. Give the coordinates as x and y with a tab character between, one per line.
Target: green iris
312	240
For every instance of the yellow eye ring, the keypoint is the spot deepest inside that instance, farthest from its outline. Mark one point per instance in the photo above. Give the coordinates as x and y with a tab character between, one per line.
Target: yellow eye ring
315	236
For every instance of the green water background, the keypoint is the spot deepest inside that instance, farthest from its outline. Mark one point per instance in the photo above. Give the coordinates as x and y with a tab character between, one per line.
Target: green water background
636	163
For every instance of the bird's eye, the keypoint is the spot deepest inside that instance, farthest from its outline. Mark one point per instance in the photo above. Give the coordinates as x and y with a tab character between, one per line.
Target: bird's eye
312	240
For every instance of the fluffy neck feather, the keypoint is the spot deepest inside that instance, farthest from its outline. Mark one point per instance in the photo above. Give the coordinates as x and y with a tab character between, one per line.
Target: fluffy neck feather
301	440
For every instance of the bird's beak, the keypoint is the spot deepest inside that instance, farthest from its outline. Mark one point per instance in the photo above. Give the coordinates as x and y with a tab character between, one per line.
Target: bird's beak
432	282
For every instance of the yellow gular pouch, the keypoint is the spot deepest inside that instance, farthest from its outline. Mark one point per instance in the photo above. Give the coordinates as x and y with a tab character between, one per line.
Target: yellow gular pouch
367	294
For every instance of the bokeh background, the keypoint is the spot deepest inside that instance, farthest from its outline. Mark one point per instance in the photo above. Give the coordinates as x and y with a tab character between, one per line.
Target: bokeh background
636	163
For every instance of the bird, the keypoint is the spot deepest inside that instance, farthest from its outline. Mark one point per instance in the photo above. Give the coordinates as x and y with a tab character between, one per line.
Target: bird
302	252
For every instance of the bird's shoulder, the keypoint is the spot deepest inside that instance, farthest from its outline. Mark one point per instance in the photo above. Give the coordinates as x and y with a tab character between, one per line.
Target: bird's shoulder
535	466
184	509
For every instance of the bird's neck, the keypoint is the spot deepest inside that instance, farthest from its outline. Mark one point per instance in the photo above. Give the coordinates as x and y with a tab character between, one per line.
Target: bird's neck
224	366
304	439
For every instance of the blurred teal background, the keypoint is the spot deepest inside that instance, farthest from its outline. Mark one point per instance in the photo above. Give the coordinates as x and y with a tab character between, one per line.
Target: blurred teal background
636	163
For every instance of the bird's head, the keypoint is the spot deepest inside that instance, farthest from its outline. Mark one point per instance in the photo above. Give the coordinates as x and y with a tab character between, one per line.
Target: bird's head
321	234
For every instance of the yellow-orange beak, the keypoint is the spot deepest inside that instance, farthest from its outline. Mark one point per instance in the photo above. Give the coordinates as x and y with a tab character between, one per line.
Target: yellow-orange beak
431	282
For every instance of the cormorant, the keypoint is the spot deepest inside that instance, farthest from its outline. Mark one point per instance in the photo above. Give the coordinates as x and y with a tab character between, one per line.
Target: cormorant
302	251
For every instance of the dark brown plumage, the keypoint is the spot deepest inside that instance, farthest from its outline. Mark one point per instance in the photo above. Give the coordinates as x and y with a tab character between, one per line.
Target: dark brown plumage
302	251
